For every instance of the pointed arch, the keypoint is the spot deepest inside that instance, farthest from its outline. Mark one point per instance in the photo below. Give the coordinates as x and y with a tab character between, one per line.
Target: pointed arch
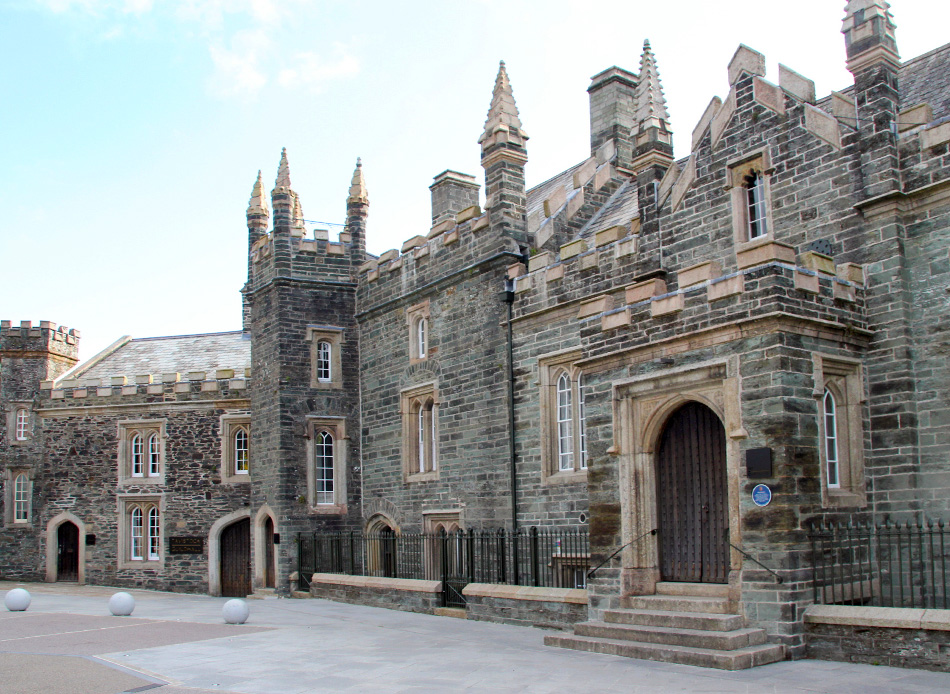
214	547
52	530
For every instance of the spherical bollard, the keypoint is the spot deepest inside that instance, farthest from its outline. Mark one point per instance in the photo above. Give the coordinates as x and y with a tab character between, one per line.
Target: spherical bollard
235	611
121	604
17	600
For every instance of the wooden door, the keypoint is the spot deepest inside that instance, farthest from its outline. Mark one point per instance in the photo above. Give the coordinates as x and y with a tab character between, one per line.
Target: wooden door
236	559
269	569
67	552
692	499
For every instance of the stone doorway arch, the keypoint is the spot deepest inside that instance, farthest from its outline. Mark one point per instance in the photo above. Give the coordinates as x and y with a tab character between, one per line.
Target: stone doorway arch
53	545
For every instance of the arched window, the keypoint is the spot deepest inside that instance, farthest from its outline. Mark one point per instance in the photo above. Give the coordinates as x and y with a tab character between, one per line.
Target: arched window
324	468
154	459
138	455
582	415
21	499
154	534
565	423
324	361
22	427
755	204
241	457
136	535
831	439
422	329
426	436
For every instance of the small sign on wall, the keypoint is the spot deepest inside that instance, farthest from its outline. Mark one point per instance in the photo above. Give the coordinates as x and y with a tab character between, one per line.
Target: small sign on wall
761	495
186	545
758	463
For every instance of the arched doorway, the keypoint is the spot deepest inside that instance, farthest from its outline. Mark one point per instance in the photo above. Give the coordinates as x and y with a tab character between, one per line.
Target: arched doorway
270	574
236	559
692	497
67	552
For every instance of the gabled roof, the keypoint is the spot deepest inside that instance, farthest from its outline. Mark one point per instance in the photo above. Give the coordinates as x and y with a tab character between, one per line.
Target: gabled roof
179	353
926	78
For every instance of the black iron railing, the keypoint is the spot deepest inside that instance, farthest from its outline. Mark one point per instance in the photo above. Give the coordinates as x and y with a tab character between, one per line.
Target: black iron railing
882	564
557	558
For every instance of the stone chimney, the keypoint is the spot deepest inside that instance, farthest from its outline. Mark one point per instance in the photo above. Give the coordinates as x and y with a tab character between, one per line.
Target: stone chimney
613	111
452	192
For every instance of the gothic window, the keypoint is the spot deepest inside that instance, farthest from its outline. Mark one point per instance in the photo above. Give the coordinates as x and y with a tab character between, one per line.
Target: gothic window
323	461
22	424
21	499
564	435
142	451
235	448
839	391
420	414
420	336
326	471
154	534
140	530
755	205
137	534
324	361
749	179
325	368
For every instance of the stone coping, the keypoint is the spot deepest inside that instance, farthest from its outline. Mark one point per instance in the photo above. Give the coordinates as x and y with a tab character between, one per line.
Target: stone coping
884	617
575	596
379	582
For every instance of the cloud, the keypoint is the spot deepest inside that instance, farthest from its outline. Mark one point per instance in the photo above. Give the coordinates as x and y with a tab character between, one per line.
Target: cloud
238	69
313	71
98	7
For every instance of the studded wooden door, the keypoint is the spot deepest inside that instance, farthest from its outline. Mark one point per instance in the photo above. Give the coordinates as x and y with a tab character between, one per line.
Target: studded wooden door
236	559
67	552
269	569
692	499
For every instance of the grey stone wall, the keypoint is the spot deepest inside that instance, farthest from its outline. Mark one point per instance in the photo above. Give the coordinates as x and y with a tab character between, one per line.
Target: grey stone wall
925	649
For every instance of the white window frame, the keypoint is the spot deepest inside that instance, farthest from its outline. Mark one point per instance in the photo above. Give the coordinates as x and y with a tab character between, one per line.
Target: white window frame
333	337
750	216
22	498
843	378
564	435
830	436
231	424
141	454
420	332
19	423
419	407
22	424
320	500
17	497
140	544
324	468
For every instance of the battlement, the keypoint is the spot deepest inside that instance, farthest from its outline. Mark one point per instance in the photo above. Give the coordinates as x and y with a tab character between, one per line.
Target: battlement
214	384
45	337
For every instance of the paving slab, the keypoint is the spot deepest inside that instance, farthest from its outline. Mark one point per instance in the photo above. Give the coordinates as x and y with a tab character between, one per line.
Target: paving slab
179	643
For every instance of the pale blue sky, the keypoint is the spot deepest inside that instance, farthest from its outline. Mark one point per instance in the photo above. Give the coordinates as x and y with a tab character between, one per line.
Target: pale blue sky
131	131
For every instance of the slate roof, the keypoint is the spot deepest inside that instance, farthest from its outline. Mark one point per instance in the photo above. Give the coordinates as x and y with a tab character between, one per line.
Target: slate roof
927	79
542	191
178	353
622	206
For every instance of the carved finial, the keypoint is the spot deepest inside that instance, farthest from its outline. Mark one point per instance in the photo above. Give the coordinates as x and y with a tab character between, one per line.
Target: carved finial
298	212
283	171
869	35
503	113
651	104
258	203
358	191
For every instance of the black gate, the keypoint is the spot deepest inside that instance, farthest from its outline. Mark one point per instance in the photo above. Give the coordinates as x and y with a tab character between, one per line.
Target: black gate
454	560
692	497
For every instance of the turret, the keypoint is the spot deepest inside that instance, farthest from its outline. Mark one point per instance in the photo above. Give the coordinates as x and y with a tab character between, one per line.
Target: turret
357	211
286	211
258	221
504	156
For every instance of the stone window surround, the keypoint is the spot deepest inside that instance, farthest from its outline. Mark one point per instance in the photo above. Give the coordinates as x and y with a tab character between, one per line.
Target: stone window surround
737	169
550	367
414	314
432	522
15	407
336	427
127	428
230	423
844	378
410	436
10	476
126	503
333	335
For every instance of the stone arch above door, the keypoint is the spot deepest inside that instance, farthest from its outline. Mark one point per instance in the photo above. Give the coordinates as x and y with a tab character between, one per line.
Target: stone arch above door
214	548
260	543
52	539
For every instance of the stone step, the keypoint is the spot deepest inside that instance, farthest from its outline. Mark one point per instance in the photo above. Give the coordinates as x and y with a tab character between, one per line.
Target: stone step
706	590
739	659
695	638
263	594
678	603
678	620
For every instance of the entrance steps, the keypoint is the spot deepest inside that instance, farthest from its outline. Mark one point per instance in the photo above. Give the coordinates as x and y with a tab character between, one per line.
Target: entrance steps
263	594
684	623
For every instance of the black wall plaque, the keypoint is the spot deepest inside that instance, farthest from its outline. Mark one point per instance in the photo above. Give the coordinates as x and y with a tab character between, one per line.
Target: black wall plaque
90	540
276	538
758	463
186	545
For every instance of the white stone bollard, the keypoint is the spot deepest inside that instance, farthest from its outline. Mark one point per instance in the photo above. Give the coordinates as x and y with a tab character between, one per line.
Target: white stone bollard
17	600
235	611
121	604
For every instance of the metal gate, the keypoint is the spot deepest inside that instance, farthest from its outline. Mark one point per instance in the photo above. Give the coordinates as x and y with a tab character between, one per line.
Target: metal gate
67	552
236	559
454	561
692	499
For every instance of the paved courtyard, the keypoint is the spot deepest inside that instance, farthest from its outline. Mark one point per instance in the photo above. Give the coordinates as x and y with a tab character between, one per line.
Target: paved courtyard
68	643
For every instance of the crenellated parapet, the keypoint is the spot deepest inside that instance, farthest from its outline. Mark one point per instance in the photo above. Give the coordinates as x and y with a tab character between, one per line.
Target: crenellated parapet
43	337
220	383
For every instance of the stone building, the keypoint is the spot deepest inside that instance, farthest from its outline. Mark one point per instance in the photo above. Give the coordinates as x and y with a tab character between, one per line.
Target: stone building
631	347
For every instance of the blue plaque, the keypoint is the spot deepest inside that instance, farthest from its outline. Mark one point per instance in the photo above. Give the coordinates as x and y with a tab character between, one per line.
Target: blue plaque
761	495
